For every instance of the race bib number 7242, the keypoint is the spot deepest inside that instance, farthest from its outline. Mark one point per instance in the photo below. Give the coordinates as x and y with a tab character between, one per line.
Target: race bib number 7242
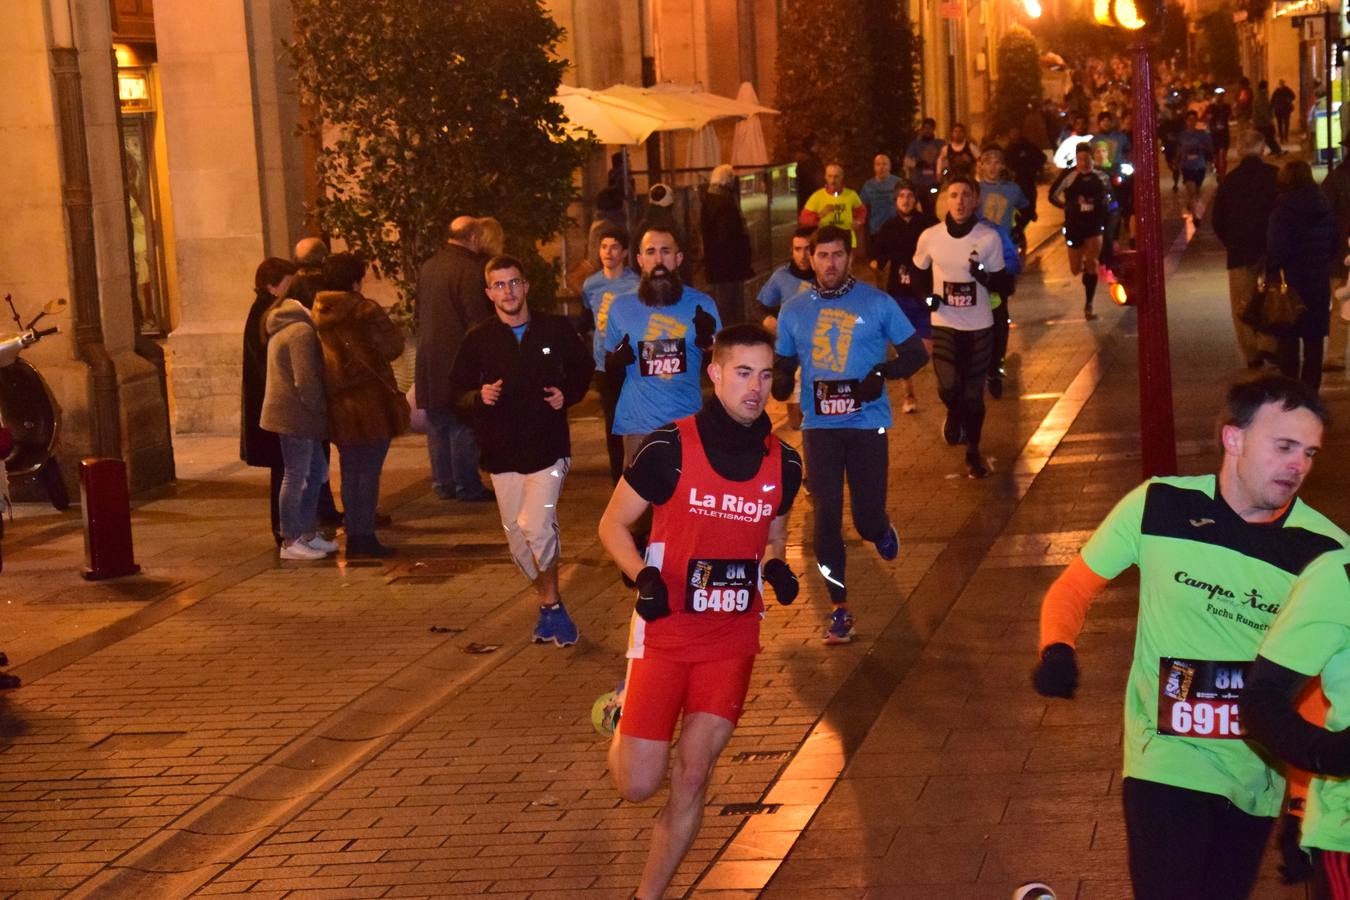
1200	698
661	357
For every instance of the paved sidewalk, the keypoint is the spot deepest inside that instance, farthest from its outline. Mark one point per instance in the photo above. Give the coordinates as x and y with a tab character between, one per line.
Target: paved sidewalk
228	724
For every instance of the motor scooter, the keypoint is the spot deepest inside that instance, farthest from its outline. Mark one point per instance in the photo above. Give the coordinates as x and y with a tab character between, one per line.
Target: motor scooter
29	421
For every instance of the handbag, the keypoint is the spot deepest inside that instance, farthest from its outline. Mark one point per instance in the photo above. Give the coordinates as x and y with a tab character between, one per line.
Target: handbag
1275	308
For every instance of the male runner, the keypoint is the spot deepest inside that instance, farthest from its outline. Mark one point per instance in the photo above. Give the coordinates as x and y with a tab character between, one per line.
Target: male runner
1085	196
835	205
787	281
1195	151
598	292
1000	200
1217	555
893	248
519	372
1311	638
920	163
721	486
966	257
655	341
838	333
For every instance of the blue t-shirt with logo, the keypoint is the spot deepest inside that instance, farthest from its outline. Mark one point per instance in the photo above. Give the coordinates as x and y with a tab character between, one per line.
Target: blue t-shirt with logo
998	201
838	341
598	292
662	384
879	198
781	286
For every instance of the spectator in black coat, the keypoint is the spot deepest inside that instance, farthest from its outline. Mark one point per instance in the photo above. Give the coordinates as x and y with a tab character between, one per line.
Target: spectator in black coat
450	301
726	246
1241	215
1300	244
258	446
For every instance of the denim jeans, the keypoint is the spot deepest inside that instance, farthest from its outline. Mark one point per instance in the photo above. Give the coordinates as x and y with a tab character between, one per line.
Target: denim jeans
298	500
454	456
361	465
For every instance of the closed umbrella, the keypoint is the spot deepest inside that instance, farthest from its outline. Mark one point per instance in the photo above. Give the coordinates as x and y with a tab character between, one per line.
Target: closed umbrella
705	152
747	145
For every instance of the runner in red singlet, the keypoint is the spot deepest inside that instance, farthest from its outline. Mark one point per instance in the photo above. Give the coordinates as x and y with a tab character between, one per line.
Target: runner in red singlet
721	486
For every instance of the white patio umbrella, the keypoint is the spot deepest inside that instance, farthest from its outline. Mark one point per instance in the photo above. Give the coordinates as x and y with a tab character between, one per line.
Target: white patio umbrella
747	145
616	119
704	152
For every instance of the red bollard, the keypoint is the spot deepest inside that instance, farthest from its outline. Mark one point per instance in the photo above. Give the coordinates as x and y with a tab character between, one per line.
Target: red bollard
107	519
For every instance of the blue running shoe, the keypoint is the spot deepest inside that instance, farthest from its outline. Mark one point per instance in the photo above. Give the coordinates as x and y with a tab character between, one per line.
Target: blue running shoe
888	545
555	625
840	630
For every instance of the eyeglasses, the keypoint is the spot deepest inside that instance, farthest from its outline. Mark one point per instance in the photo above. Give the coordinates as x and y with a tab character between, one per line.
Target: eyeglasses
513	284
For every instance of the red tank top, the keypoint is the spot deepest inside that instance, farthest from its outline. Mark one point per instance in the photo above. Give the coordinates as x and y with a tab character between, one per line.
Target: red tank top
708	540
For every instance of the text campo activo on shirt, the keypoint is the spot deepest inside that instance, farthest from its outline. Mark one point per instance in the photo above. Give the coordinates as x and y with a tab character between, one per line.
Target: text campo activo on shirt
730	506
1253	597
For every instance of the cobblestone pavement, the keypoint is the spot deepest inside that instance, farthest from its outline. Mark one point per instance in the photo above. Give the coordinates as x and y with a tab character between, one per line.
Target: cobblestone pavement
227	724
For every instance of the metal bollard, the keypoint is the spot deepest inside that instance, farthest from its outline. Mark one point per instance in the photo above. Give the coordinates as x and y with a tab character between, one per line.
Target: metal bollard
107	519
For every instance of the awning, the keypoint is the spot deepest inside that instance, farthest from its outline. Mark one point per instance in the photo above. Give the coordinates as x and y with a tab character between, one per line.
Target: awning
623	114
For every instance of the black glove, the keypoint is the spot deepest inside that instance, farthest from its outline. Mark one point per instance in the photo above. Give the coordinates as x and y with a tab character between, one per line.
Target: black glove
1295	866
621	357
932	301
979	272
653	600
1057	674
705	326
781	579
872	386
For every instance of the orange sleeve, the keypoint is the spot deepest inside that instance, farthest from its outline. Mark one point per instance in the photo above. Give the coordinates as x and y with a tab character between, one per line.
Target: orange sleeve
860	215
808	217
1066	603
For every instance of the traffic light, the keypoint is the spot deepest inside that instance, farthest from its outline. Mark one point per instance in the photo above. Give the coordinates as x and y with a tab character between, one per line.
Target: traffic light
1125	282
1132	15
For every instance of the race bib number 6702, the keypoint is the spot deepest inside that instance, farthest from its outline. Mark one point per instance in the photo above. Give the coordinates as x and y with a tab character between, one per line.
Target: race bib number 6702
837	398
1200	698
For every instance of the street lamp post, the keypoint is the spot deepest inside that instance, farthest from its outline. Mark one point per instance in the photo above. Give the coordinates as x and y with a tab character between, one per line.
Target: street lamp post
1157	424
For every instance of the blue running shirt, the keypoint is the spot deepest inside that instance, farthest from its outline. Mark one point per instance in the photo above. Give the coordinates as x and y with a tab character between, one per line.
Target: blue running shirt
662	385
598	292
838	341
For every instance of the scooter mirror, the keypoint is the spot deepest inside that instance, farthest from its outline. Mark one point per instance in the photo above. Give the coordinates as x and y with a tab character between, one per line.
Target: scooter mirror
53	307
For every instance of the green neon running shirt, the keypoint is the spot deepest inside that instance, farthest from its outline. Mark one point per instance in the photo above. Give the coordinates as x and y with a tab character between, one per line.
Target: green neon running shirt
1209	586
1312	636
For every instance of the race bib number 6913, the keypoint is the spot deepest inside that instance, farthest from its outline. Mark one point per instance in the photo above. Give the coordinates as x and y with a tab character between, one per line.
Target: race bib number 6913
1200	698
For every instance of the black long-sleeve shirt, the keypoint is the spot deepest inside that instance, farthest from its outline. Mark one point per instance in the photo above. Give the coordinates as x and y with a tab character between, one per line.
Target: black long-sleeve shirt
894	246
521	432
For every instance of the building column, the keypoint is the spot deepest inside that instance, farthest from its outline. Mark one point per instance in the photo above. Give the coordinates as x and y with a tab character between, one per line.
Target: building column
235	174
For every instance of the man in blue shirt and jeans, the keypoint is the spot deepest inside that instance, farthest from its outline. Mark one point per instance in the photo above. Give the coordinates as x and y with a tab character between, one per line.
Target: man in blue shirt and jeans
839	333
878	195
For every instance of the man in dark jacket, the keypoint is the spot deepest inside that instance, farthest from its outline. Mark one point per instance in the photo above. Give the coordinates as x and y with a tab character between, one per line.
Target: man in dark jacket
1242	206
726	245
449	302
1336	186
517	373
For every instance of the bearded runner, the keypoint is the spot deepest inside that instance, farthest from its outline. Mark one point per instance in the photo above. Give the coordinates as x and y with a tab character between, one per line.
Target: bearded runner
655	341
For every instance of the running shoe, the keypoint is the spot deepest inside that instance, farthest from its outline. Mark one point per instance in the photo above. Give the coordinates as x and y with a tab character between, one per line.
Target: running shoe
321	543
1088	313
888	545
977	466
996	386
298	549
953	432
555	625
911	405
607	711
840	630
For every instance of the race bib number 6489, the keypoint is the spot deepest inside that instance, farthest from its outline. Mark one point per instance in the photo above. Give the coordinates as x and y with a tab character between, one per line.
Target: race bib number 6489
721	585
1200	698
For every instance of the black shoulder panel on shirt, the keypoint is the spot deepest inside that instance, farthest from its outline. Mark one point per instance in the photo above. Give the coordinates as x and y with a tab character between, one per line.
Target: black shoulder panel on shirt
1187	514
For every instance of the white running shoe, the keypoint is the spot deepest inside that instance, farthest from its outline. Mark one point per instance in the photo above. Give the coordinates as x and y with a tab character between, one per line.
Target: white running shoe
298	549
322	544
